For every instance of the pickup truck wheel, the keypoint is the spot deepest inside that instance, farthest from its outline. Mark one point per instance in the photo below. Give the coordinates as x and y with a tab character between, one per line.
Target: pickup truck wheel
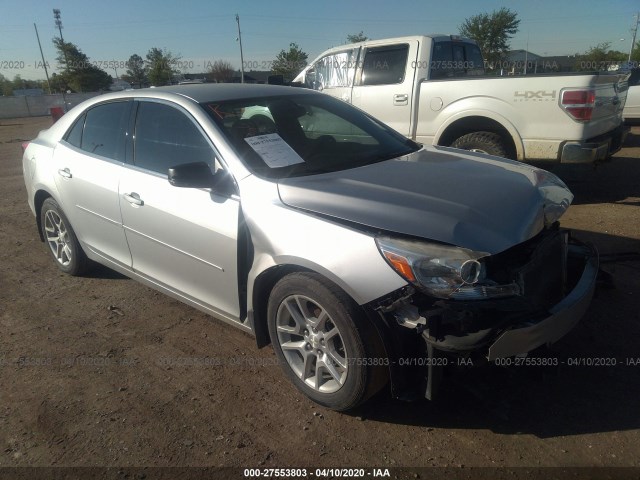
482	142
61	239
322	341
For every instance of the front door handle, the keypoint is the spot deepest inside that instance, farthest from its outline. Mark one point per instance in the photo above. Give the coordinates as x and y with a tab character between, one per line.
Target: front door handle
133	198
65	172
401	99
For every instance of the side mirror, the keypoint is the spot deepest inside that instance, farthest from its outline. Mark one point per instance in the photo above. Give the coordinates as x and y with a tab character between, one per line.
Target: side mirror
199	175
310	79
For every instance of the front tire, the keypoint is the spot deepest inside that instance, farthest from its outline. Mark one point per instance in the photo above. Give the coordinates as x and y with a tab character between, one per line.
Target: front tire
61	239
482	142
323	342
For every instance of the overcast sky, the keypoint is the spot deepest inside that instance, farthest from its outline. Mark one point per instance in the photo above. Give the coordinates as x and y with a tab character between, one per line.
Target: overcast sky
202	31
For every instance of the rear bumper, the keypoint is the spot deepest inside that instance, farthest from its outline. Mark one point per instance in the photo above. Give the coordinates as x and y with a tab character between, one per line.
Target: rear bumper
594	149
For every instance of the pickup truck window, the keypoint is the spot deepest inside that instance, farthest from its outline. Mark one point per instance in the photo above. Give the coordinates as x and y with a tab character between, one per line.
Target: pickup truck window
452	60
385	65
335	70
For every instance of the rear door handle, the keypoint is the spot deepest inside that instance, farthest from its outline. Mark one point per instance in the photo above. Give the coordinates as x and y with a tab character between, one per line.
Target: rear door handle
401	99
133	198
66	173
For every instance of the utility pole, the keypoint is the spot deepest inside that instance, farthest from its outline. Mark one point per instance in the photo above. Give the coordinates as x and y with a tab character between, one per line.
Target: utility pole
44	63
241	55
635	31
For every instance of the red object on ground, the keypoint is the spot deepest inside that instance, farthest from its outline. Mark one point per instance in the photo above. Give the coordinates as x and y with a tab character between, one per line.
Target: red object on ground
56	113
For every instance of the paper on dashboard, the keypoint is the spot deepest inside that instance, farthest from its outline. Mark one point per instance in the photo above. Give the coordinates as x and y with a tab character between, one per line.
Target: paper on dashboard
274	150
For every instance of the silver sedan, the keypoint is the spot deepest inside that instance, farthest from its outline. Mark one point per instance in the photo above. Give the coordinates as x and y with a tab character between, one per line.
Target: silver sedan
363	257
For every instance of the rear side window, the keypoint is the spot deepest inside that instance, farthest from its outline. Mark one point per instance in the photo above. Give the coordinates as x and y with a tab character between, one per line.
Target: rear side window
385	65
166	137
104	130
452	60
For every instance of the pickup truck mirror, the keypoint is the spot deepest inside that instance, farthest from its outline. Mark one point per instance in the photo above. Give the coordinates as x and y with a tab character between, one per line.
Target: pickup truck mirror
310	79
199	175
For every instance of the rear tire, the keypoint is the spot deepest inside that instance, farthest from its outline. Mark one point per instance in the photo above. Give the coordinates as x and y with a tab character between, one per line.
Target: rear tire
482	142
323	341
61	239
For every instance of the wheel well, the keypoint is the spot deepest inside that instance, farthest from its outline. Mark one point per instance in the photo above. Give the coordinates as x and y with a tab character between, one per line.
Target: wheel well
38	200
261	290
478	124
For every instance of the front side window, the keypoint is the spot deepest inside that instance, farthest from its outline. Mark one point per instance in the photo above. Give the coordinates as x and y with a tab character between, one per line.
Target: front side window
385	65
166	137
335	70
104	130
294	135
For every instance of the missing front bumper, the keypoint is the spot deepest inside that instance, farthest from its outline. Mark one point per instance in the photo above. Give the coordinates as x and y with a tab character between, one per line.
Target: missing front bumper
562	317
493	332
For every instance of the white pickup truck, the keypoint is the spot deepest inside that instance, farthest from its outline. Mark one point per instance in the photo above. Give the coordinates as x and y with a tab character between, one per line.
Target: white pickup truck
433	89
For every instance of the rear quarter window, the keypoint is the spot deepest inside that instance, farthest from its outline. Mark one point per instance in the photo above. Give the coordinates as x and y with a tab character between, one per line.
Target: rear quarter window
74	135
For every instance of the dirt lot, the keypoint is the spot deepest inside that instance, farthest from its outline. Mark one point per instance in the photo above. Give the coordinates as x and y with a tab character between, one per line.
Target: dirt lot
102	371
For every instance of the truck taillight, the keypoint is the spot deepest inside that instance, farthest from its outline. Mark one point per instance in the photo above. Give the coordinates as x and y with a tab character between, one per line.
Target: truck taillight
578	104
24	146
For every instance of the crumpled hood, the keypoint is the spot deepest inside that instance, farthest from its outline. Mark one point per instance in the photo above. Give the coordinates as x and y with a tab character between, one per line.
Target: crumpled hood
470	200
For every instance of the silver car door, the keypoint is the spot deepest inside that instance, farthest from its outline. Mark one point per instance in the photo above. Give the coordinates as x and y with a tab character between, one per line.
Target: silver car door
88	163
184	239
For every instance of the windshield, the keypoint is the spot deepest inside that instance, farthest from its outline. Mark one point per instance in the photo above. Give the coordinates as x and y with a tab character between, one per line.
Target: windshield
295	135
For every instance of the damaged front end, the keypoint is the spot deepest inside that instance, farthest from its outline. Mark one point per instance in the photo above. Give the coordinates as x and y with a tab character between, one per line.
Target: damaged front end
471	305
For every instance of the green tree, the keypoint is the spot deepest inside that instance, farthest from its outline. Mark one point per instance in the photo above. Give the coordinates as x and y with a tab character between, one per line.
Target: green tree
18	83
160	66
492	32
635	54
6	86
79	74
220	71
135	74
289	63
601	57
358	37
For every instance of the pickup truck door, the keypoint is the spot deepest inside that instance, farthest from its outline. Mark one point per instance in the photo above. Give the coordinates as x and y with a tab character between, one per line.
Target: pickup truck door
385	82
334	73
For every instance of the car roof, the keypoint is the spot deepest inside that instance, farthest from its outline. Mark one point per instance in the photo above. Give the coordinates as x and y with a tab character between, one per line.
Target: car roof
211	92
181	94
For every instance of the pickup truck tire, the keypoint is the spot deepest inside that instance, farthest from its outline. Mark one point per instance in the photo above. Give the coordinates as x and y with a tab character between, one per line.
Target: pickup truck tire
482	142
323	341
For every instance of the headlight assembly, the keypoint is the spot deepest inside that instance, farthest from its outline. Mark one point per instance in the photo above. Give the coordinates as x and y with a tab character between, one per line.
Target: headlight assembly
442	271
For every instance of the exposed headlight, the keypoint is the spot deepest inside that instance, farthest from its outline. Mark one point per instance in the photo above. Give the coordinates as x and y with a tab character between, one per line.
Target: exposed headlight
442	271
